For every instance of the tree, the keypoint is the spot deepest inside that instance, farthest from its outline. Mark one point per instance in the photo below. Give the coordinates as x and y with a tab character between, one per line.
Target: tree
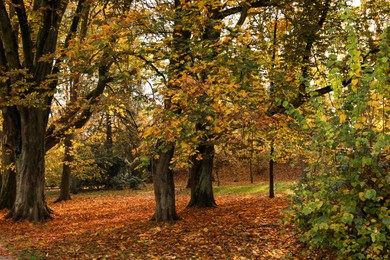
31	78
32	99
206	95
81	11
162	173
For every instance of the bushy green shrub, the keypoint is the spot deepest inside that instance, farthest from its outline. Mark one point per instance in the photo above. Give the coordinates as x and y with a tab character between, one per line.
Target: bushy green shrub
347	211
343	203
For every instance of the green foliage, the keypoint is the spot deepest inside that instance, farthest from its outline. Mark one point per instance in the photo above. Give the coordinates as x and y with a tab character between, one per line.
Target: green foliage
343	203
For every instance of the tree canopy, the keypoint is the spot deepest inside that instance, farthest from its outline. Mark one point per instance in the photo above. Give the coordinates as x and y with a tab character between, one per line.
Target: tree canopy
169	84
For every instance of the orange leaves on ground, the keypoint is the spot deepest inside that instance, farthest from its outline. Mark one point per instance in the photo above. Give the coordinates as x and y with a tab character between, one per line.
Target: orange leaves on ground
116	225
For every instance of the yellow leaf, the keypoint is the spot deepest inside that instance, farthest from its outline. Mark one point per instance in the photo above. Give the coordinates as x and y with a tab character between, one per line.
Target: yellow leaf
354	83
358	126
342	118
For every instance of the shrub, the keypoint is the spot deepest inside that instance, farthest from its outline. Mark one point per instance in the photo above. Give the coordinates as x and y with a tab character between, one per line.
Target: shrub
343	203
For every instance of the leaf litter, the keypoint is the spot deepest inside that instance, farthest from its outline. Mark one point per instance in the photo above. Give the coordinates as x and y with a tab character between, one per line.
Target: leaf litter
118	226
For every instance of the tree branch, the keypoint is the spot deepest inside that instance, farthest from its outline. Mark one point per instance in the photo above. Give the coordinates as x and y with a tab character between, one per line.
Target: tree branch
302	98
76	118
10	44
234	10
26	34
46	40
310	40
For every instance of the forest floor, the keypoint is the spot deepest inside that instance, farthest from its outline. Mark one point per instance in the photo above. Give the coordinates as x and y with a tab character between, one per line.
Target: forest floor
116	225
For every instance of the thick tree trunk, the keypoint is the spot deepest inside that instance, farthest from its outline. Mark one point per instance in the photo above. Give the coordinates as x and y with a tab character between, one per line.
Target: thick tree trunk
11	141
30	203
201	179
66	171
164	188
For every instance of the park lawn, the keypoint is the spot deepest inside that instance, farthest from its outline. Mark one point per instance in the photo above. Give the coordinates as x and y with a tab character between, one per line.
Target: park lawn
115	224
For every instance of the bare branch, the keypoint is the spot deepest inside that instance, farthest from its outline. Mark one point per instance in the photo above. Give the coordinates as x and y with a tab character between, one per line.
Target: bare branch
234	10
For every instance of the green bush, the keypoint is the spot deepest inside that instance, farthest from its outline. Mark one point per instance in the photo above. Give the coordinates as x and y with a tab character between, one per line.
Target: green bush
343	203
343	210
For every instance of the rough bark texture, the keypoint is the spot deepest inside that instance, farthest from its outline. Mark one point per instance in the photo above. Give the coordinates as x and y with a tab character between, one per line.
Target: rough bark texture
8	183
10	143
164	188
66	171
30	202
201	179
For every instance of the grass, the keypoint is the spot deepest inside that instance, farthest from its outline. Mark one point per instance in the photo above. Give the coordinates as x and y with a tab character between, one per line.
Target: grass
280	187
258	188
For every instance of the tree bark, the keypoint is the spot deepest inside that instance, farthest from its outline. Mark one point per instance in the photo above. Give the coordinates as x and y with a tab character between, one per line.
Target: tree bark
10	143
74	184
66	171
271	173
30	203
164	187
108	143
201	179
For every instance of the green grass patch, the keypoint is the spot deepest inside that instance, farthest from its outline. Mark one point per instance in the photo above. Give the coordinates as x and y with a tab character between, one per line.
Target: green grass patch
280	187
100	193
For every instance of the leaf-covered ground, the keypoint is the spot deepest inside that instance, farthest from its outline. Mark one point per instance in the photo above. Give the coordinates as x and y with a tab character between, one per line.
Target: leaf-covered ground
115	225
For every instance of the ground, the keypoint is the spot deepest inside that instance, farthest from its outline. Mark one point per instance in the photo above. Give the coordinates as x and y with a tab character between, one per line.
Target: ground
116	225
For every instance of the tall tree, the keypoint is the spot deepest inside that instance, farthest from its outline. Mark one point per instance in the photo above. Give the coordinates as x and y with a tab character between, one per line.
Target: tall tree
30	86
32	74
163	182
82	11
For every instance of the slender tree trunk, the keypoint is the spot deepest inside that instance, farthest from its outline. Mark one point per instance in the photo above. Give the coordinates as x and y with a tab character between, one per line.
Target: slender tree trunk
251	170
271	173
30	203
201	179
164	188
66	170
10	143
108	143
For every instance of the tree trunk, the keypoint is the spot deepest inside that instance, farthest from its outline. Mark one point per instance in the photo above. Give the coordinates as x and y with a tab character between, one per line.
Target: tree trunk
66	171
10	143
74	184
251	170
108	143
8	180
201	179
164	188
271	173
30	203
